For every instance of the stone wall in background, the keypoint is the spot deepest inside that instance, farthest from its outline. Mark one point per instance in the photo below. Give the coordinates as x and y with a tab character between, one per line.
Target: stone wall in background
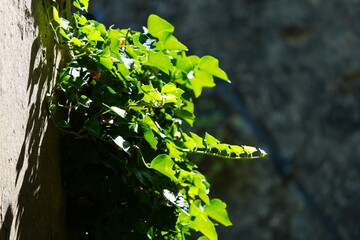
296	67
31	196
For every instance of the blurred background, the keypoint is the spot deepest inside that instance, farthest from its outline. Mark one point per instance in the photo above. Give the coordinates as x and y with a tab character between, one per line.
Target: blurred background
295	92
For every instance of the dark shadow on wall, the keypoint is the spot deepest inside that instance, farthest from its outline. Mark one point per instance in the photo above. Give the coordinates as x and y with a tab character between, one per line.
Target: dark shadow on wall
7	223
40	207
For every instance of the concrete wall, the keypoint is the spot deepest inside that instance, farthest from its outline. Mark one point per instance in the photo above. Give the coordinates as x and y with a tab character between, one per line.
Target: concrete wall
31	198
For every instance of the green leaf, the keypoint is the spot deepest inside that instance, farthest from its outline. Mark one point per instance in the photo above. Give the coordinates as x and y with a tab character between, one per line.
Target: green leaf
172	94
171	43
164	164
153	125
251	150
170	88
85	4
101	28
237	149
200	80
158	27
88	29
106	62
120	112
210	140
81	4
173	151
203	238
112	91
201	221
122	70
150	93
80	19
189	142
84	101
114	38
64	34
211	65
184	64
198	140
194	59
56	15
160	61
204	196
76	41
95	36
150	138
217	211
189	117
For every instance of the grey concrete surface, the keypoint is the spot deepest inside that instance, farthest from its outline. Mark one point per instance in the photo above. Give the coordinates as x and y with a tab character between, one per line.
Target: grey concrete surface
31	198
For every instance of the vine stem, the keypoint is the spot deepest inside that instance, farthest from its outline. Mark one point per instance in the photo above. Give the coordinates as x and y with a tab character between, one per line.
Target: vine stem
218	155
142	158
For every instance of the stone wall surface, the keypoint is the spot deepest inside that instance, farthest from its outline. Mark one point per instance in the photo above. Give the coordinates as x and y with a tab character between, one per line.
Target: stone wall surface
31	200
296	67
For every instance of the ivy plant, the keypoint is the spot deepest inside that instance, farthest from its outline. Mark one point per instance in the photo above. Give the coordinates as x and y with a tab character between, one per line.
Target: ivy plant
128	94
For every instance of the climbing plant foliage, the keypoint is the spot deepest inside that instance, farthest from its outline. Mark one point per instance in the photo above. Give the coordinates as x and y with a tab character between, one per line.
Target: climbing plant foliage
129	94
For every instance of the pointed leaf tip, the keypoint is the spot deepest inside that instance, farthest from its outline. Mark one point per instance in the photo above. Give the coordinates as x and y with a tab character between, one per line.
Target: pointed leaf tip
210	65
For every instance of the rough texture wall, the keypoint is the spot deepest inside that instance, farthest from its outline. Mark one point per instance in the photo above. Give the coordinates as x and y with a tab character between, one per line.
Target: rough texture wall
31	200
296	65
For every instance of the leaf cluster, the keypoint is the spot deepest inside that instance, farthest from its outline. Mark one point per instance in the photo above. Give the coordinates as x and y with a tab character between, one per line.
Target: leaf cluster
129	94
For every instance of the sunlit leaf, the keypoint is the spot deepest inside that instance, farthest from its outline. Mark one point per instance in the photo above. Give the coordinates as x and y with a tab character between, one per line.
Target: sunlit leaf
64	34
56	15
200	80
204	196
95	36
150	138
164	164
120	112
211	65
150	94
171	43
158	26
189	142
184	64
106	62
210	140
153	125
202	238
198	140
88	29
173	151
201	221
160	61
76	41
217	211
81	4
